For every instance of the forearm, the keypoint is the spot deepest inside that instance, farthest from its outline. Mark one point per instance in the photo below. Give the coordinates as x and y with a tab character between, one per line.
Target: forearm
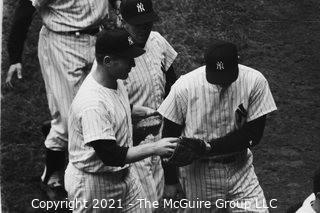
21	23
140	152
233	142
247	136
113	155
170	129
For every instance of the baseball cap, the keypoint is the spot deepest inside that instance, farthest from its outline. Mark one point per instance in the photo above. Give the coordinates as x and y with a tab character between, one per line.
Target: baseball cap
221	60
117	42
138	11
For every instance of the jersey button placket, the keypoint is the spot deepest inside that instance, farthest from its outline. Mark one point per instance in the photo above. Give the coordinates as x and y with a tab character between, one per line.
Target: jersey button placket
122	102
156	86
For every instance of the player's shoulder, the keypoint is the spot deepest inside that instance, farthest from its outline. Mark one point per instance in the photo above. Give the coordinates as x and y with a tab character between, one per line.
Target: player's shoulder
154	35
88	96
156	38
250	74
188	80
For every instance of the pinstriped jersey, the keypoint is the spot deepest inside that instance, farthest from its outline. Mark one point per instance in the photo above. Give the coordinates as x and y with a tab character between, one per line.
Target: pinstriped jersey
97	113
71	15
207	111
146	81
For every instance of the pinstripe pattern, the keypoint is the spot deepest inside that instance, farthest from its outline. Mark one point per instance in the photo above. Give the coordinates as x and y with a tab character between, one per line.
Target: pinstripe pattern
101	187
97	113
64	62
208	112
146	87
206	180
150	173
100	113
307	205
146	81
71	15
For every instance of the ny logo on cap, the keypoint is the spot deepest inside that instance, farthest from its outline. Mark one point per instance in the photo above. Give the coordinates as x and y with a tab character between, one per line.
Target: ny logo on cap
130	40
140	7
220	65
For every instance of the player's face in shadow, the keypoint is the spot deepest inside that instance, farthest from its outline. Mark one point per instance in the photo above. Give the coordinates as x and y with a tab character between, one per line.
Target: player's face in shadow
121	67
211	79
140	32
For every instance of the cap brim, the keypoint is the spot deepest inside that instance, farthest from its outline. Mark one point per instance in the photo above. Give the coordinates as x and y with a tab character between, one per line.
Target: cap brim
143	18
222	78
132	52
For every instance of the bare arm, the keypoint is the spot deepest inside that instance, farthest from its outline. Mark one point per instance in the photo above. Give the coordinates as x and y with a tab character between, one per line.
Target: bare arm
113	155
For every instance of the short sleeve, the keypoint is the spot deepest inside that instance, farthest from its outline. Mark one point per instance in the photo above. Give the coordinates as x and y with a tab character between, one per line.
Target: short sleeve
261	101
96	125
174	107
169	53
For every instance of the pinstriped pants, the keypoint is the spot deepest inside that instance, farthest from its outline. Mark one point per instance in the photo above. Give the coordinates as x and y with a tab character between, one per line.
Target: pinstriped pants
65	60
205	180
151	174
104	193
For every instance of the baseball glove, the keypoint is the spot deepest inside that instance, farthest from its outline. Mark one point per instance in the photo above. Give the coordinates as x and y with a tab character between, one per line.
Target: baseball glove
144	127
186	151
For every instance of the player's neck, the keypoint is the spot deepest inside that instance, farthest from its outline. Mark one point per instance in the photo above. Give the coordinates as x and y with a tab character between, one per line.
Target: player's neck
103	78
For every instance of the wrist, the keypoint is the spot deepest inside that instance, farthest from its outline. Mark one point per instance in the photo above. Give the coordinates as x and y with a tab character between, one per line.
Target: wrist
150	148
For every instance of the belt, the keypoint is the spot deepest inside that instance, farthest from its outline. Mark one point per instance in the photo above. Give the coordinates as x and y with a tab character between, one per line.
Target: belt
91	31
227	159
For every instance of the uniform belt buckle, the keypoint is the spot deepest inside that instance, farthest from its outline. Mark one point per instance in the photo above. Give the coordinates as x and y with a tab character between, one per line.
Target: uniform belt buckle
92	31
77	34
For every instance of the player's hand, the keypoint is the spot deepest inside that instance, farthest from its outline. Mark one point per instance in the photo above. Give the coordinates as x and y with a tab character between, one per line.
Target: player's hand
12	69
119	21
142	112
165	146
170	191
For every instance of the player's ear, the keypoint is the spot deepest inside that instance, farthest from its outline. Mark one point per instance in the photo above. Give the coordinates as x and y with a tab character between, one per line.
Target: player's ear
106	60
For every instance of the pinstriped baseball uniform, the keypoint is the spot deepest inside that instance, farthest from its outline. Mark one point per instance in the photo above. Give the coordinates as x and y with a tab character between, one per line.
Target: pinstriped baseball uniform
209	113
71	15
146	87
65	59
97	113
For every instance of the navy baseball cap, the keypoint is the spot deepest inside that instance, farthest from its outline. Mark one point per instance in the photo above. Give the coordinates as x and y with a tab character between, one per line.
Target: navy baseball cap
138	11
221	60
117	42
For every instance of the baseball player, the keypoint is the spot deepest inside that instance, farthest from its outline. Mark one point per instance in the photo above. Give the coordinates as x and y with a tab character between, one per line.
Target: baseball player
66	53
224	103
148	82
100	133
312	203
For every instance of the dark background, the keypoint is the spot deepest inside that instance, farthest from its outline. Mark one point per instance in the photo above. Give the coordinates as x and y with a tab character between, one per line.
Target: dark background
280	38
